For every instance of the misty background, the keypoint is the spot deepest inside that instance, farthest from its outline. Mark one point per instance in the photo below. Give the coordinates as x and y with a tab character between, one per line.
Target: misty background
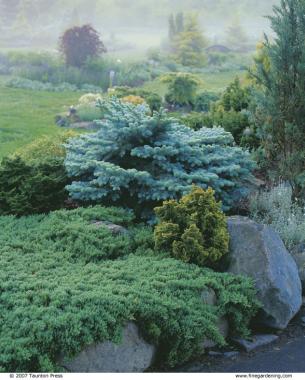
125	24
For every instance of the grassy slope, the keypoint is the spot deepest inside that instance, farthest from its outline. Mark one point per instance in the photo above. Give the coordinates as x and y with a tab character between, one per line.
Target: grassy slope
216	82
26	114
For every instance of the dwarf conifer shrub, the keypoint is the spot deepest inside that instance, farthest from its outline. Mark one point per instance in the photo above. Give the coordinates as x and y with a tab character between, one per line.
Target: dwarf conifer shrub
136	160
182	88
204	100
235	98
193	229
31	187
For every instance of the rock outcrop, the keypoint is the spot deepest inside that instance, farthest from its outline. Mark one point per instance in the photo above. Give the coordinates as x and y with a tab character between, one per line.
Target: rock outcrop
255	342
133	354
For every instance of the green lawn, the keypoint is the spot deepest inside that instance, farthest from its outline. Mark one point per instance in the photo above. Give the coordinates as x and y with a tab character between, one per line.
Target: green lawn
216	82
26	115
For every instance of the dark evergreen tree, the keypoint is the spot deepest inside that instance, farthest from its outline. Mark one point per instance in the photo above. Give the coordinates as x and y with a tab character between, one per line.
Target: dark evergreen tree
171	28
179	22
281	94
175	26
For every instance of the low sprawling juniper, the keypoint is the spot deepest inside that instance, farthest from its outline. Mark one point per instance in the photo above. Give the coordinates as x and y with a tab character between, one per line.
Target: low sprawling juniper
60	293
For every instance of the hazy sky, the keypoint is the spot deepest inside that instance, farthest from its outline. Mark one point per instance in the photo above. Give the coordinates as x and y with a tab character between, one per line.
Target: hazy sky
128	19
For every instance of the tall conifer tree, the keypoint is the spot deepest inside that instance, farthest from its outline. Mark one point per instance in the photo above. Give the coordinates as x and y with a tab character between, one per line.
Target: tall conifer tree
281	95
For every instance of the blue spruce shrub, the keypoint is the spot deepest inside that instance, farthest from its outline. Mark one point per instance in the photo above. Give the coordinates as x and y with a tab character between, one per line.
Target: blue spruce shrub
137	161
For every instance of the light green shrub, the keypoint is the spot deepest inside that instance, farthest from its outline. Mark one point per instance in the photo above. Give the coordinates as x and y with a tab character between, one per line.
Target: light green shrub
89	112
89	98
46	148
193	229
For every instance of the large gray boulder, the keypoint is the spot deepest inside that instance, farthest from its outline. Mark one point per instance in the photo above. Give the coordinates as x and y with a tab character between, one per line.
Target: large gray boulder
258	252
133	354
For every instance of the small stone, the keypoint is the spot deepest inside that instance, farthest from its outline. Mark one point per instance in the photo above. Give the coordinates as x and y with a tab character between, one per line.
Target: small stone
60	121
72	111
208	296
115	229
256	342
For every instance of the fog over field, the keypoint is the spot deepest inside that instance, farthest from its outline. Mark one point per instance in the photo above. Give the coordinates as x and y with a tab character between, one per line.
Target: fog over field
124	24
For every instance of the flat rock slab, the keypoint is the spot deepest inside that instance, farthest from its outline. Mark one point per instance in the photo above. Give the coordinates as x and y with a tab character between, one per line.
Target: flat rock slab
231	354
133	354
256	342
